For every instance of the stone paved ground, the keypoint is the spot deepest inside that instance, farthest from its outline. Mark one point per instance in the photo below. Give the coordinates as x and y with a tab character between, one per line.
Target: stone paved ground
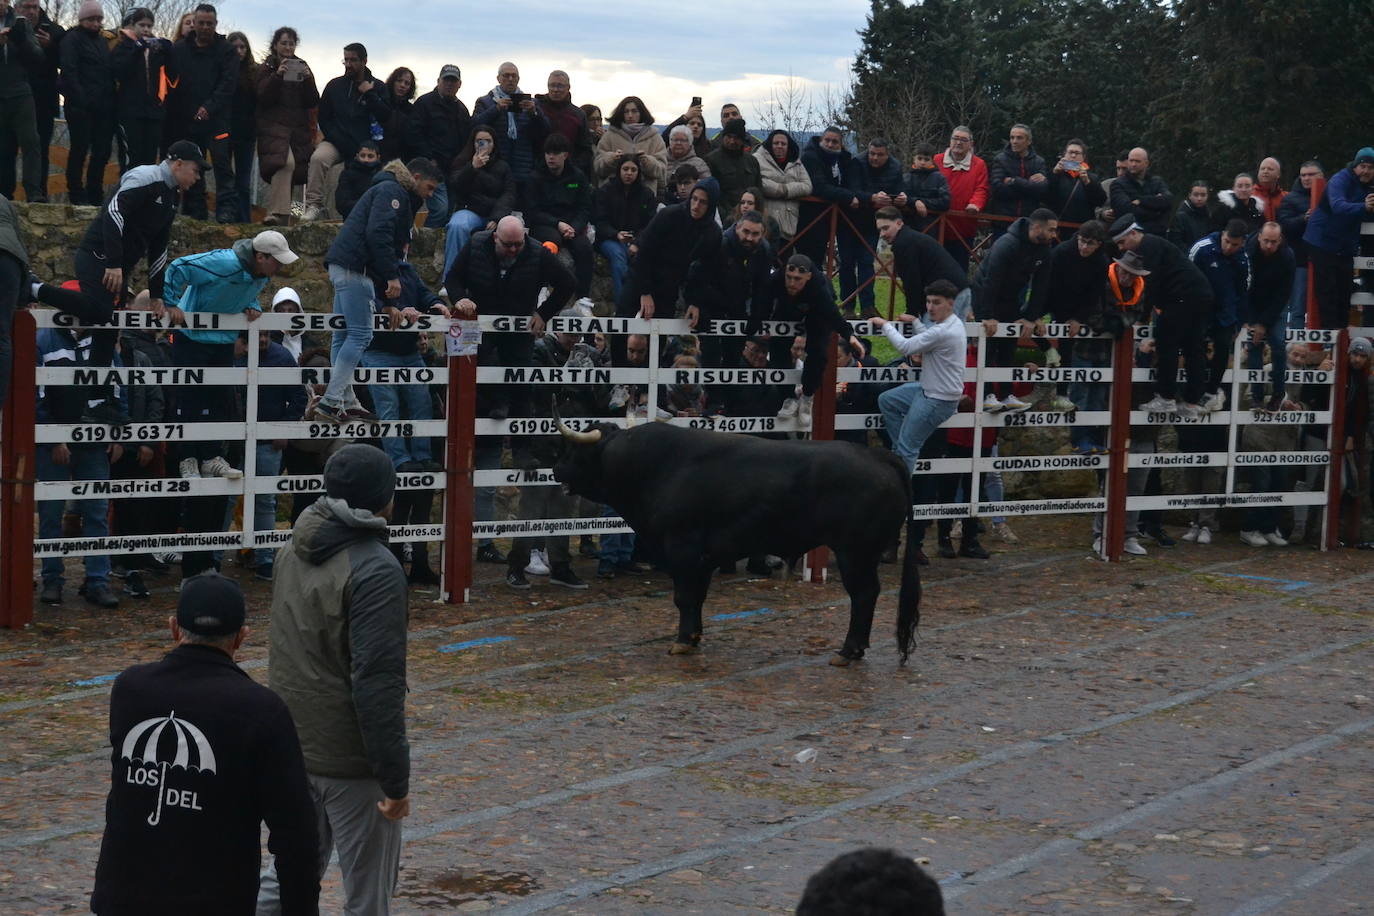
1186	733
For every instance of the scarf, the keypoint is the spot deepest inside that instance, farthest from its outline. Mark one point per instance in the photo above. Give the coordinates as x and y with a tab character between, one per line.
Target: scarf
1137	287
498	93
958	165
633	129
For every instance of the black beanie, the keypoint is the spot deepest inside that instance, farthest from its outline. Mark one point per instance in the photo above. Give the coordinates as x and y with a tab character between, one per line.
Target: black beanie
361	475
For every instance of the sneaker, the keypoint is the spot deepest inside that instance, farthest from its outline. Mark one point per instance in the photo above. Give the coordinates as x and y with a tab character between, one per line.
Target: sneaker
789	409
133	585
516	579
564	576
359	412
169	558
218	467
1253	538
490	553
312	214
1204	535
605	569
263	571
51	593
1133	547
106	413
1213	402
804	412
946	549
586	548
1097	546
1003	531
538	564
1012	402
329	413
956	530
1160	404
1275	539
1192	535
758	567
587	303
991	404
1189	411
973	549
189	468
101	596
631	568
1059	402
421	574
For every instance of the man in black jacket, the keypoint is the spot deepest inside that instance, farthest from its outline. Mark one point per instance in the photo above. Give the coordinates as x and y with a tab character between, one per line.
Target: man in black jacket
202	756
1017	177
21	58
1013	275
828	163
198	109
1294	212
919	260
677	235
349	105
440	124
501	272
43	81
1272	270
1142	196
725	284
558	207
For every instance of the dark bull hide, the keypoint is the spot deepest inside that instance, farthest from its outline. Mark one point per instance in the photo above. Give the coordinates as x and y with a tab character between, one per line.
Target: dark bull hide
712	498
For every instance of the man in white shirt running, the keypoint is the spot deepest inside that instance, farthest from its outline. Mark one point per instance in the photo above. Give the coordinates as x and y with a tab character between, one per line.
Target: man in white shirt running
913	411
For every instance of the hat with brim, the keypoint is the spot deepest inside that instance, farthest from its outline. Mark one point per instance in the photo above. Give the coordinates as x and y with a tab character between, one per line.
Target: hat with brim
273	243
1132	263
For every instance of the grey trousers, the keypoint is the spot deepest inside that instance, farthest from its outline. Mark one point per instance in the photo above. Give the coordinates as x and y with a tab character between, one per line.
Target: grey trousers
368	844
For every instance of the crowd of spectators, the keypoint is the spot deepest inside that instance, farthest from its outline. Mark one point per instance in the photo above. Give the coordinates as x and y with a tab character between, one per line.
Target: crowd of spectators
531	188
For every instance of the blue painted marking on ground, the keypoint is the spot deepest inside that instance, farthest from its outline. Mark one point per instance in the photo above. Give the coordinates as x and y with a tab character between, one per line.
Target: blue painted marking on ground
1159	618
1290	585
474	643
738	615
95	681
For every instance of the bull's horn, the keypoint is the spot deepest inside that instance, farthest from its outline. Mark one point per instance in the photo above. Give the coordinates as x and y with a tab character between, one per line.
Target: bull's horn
587	438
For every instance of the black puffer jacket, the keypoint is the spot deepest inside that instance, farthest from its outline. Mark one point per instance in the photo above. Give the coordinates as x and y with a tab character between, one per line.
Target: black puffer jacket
477	274
1013	262
20	56
488	191
88	77
346	114
206	78
1021	195
1076	283
670	243
138	65
379	225
622	208
1190	224
439	127
1293	219
1155	202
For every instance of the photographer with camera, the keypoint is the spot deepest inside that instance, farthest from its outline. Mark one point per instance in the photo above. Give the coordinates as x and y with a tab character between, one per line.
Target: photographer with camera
519	124
1074	191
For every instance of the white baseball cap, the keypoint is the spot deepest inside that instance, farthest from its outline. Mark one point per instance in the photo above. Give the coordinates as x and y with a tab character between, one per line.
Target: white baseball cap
273	243
285	294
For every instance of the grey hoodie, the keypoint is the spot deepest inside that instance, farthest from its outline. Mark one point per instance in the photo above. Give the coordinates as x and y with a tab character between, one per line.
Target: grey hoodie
338	645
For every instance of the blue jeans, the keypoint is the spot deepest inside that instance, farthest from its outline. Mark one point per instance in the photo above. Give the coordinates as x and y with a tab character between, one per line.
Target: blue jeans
86	464
615	548
910	417
1086	395
436	209
856	266
353	299
265	504
396	402
486	456
618	257
461	224
1277	338
1297	303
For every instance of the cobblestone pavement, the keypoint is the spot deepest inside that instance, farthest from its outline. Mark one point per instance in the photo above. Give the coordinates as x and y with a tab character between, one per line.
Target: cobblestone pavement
1183	733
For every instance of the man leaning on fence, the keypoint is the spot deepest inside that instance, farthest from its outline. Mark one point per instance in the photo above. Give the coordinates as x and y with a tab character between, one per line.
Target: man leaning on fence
338	659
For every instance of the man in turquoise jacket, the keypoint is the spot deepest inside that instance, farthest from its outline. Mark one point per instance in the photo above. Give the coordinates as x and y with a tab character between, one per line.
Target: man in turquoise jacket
226	281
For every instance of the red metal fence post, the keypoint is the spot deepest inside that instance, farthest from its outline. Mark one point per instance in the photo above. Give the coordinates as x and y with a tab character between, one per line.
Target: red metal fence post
1119	443
16	478
823	430
459	460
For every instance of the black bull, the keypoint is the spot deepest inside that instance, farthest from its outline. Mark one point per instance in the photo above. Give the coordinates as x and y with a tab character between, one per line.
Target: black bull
712	498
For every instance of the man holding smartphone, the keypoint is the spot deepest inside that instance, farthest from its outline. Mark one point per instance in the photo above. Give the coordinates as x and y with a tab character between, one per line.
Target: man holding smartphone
519	124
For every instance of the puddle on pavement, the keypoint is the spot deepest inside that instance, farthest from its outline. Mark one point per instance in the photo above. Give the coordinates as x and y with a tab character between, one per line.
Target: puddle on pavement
452	888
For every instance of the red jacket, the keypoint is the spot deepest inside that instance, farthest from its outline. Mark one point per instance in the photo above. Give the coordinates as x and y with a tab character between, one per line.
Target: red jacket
1269	199
965	187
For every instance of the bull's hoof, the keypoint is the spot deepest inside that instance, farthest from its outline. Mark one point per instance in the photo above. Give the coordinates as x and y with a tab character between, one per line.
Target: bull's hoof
845	655
682	648
839	661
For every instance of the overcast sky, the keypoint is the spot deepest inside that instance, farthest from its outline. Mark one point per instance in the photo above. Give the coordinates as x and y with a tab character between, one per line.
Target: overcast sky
661	50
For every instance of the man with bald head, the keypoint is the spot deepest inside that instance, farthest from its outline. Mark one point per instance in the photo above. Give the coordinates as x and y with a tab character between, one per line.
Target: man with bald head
1268	191
500	272
519	124
1144	196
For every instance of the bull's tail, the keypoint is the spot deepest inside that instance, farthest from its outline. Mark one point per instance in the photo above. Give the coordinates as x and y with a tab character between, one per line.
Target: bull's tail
909	598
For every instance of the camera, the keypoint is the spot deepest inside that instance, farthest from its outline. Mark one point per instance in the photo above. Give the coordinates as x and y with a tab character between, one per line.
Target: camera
517	97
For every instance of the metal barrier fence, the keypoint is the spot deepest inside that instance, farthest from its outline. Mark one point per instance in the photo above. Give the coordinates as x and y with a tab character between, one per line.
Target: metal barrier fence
461	430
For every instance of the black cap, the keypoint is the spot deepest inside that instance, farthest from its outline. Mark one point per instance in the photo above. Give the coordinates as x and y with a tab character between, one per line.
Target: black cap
1121	225
187	151
802	262
361	475
210	605
735	128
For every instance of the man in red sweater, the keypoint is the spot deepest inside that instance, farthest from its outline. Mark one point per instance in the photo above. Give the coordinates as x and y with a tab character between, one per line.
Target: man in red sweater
967	176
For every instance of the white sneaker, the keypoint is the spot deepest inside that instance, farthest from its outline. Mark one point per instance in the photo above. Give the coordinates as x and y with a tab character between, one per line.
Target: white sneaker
804	412
991	404
586	303
538	564
789	409
956	530
189	469
1161	404
1204	535
218	467
1275	539
1062	403
1134	547
1097	546
1189	411
1192	535
1253	538
1003	531
1213	402
1012	402
312	214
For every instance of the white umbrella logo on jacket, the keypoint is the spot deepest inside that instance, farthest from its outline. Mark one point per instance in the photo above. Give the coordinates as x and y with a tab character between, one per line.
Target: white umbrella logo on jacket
144	743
